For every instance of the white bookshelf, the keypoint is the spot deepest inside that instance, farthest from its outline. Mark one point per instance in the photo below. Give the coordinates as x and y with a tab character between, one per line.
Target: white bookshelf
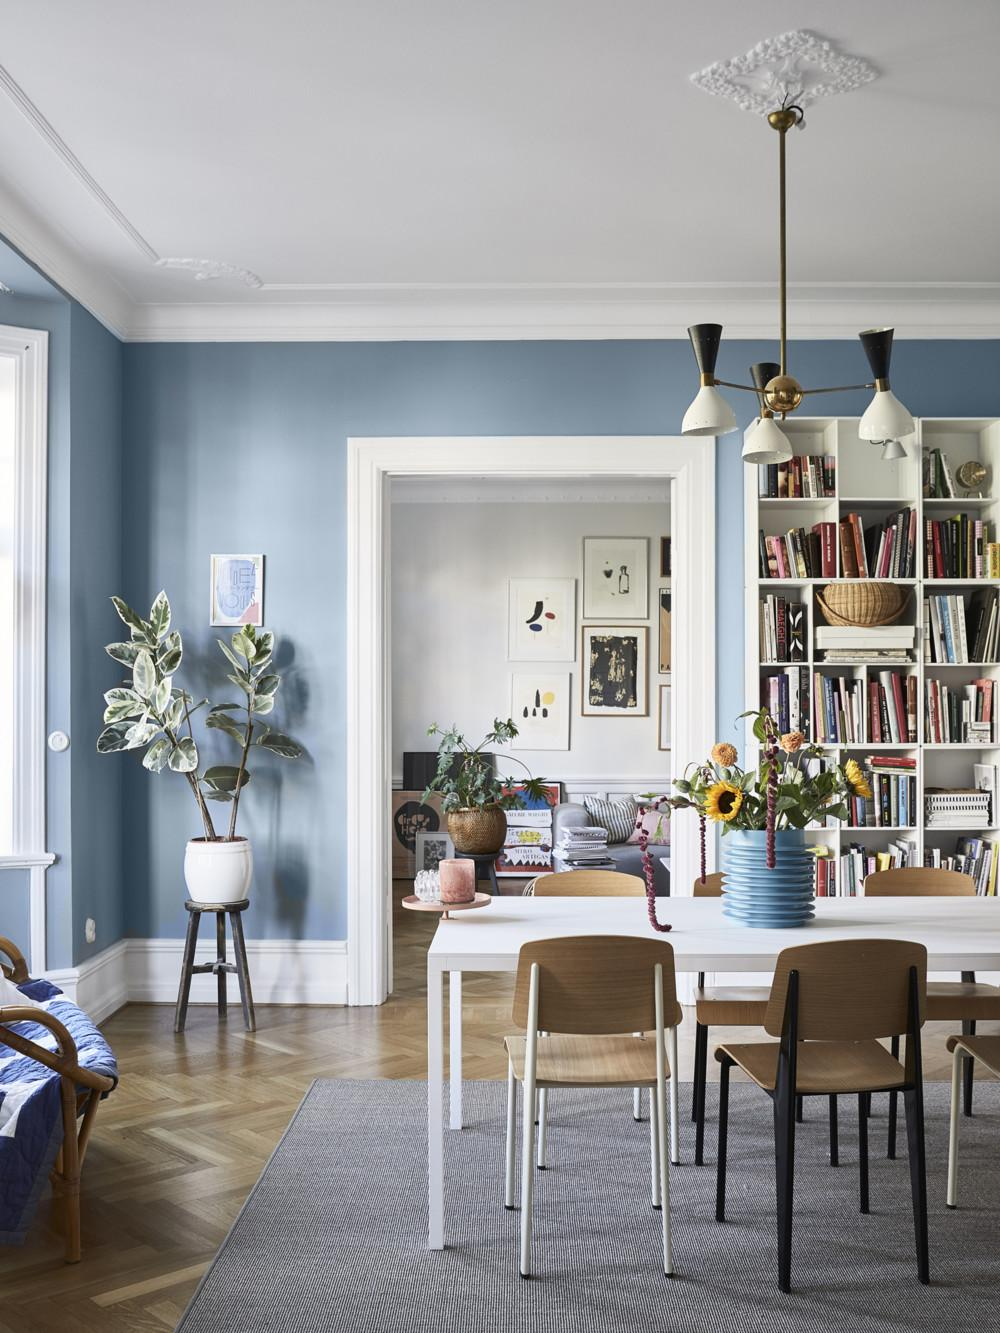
872	488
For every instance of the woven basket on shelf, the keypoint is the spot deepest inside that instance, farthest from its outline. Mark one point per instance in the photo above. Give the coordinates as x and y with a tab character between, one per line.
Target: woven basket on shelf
872	603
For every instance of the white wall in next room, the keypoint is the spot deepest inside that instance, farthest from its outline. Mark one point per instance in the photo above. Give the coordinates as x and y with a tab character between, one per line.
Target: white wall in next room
454	546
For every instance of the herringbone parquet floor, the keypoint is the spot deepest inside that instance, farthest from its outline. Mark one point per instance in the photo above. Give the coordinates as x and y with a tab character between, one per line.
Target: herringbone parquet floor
178	1146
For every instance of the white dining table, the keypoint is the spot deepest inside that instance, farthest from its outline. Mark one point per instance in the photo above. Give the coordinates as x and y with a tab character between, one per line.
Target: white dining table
960	935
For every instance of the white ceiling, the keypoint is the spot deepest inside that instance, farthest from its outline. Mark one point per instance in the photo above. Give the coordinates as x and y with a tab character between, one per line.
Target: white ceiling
474	168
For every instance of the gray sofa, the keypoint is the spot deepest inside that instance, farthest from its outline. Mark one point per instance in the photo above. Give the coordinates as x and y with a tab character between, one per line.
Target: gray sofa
626	856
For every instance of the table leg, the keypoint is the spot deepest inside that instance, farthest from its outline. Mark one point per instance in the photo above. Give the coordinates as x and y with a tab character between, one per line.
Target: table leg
455	1047
675	1146
435	1107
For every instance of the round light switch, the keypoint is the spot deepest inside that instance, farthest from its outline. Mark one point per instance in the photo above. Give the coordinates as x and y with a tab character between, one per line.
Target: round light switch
58	741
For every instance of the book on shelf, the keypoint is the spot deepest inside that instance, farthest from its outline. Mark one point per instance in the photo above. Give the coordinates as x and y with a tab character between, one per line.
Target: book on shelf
838	709
961	714
977	857
782	630
958	547
803	476
891	546
959	632
987	780
956	807
892	708
796	554
938	482
785	695
892	804
857	862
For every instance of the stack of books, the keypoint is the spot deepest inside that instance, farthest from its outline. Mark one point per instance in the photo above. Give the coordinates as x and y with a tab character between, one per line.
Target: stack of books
785	695
858	861
956	807
960	547
973	856
782	630
856	644
892	708
886	550
893	803
961	714
798	554
584	845
838	710
954	633
804	476
938	482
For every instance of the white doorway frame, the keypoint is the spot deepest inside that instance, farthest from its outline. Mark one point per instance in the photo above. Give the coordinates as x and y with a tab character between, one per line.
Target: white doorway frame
371	464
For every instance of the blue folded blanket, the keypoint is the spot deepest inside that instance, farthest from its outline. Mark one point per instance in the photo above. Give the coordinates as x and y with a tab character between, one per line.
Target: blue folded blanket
30	1107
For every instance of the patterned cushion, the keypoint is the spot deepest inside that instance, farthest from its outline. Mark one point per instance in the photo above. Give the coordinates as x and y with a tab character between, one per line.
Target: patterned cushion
617	816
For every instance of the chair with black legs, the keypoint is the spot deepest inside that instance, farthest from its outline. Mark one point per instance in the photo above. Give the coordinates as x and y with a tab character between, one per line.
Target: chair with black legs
733	1007
962	1001
831	1004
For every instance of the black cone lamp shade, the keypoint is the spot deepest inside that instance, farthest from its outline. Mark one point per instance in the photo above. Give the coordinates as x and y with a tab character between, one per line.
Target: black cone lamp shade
878	349
762	374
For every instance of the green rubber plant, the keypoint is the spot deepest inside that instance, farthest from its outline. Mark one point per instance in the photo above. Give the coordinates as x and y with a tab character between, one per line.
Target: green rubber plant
149	711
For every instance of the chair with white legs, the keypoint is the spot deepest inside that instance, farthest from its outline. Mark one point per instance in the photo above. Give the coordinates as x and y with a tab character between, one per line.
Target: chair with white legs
578	999
966	1048
602	884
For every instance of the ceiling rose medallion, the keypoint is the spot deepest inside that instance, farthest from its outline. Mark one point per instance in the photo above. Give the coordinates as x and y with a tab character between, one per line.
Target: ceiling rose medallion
778	78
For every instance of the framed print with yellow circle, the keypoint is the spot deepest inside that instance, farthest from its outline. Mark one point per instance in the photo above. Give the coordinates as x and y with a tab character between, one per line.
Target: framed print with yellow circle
539	705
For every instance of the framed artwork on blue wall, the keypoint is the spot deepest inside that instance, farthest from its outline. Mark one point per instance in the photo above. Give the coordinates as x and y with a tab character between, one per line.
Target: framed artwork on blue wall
237	590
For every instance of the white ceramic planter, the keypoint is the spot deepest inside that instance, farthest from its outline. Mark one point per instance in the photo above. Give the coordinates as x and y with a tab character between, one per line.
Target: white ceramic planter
218	872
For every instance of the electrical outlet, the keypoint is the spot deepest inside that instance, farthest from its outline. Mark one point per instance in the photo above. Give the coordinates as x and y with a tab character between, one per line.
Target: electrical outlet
90	930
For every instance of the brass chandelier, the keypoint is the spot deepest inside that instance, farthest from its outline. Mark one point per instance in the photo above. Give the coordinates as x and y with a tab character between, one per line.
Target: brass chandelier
885	421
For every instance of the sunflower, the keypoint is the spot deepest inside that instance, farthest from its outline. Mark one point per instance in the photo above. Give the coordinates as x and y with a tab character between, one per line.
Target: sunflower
723	801
856	780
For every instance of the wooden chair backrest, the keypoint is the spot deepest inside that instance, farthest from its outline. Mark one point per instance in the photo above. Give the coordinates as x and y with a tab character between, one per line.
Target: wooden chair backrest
849	990
589	884
919	882
712	888
596	985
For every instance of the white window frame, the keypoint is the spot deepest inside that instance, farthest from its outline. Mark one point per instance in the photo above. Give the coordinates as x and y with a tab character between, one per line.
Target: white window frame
371	463
29	348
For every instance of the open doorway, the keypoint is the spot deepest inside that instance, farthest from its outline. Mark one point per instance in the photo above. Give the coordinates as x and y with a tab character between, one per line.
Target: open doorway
673	478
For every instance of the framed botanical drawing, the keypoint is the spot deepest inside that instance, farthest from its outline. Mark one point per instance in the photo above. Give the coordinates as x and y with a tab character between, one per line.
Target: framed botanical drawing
539	705
432	849
614	671
541	620
616	577
664	626
664	735
237	590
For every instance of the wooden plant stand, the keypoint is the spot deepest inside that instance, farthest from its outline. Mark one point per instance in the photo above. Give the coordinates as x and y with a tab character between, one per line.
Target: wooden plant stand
220	967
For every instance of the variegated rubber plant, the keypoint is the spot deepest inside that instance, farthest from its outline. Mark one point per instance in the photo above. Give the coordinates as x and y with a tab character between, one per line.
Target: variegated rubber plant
150	711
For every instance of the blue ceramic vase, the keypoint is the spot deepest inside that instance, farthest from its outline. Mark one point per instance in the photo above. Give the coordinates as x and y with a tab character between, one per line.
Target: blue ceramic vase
756	896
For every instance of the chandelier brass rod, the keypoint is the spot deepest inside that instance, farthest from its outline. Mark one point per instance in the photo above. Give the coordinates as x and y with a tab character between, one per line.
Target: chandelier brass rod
840	388
781	243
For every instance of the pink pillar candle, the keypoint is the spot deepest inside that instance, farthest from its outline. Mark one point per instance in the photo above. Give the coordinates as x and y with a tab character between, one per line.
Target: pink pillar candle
458	881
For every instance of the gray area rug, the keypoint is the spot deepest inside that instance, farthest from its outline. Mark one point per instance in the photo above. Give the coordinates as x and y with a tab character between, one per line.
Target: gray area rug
333	1235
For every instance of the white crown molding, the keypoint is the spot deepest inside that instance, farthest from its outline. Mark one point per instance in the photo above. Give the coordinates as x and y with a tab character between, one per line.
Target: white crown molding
920	311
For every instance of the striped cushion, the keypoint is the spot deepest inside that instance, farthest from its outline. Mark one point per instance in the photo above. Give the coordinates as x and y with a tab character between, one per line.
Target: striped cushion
617	816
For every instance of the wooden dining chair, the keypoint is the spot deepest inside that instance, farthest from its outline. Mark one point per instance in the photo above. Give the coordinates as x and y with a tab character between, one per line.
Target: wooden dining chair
962	1001
577	999
965	1048
603	884
830	1004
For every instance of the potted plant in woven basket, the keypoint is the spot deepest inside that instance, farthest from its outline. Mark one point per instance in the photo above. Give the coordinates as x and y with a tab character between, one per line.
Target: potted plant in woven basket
768	867
474	797
150	711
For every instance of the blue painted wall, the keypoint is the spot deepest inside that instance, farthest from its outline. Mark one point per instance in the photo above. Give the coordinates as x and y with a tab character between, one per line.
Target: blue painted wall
241	447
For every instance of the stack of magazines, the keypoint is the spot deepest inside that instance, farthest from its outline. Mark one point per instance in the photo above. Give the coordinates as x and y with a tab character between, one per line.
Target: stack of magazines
584	845
957	807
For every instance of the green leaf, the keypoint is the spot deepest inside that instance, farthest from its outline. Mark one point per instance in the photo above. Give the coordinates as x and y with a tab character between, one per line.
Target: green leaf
126	653
157	755
281	744
244	685
223	777
161	696
130	617
223	722
141	733
214	794
267	684
226	708
123	708
184	756
263	704
112	739
144	674
232	656
121	694
159	614
244	645
175	714
171	650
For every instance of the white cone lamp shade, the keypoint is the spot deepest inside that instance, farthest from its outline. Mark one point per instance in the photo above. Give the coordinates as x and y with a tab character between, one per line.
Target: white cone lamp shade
709	414
885	417
765	443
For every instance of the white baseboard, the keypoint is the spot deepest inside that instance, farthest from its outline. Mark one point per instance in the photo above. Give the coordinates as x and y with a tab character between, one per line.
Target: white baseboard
148	971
